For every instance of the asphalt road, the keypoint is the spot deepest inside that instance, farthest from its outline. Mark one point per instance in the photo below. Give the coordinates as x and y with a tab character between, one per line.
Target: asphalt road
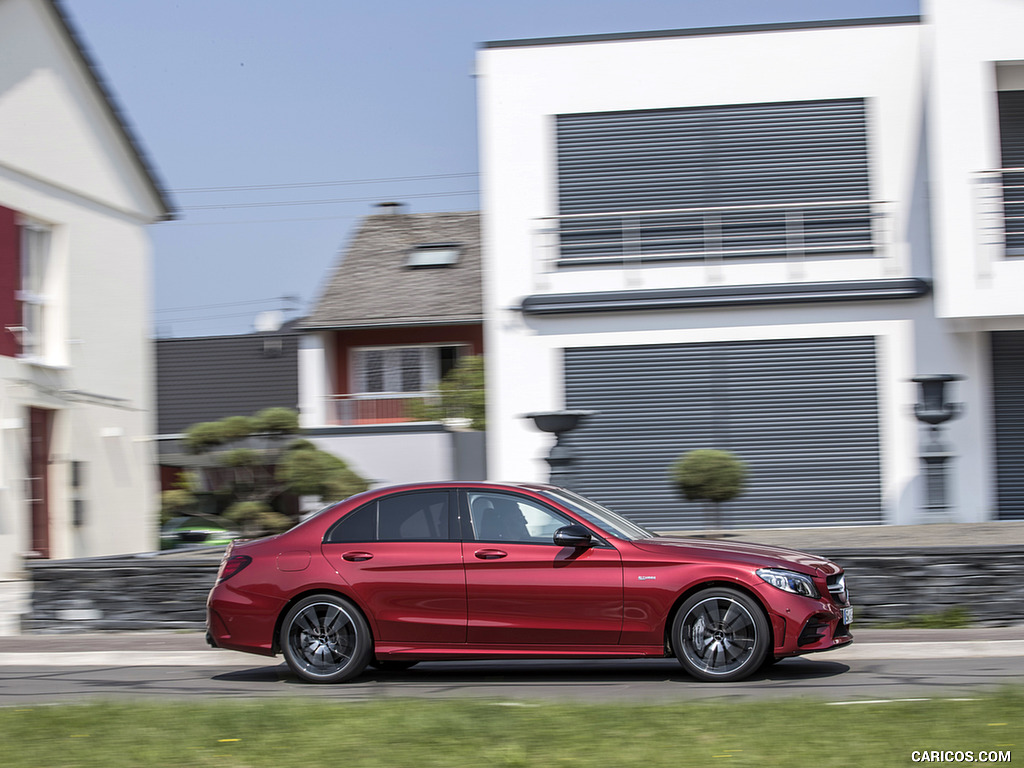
885	665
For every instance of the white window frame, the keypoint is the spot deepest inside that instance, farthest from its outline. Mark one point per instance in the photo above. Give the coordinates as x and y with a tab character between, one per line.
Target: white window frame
35	293
429	370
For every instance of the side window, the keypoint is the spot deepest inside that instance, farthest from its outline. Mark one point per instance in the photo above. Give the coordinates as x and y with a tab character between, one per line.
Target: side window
406	517
359	525
413	517
501	517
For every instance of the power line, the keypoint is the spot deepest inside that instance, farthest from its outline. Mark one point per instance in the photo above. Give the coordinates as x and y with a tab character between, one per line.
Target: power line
247	222
311	184
285	203
203	319
290	299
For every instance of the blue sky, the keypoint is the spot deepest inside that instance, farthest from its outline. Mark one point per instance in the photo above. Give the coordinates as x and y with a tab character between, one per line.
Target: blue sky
321	108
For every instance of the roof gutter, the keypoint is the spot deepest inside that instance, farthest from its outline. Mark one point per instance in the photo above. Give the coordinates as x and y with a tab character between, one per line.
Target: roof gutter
680	299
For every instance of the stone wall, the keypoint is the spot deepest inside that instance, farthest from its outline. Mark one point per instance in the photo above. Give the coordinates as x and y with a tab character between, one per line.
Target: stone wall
890	585
120	593
169	592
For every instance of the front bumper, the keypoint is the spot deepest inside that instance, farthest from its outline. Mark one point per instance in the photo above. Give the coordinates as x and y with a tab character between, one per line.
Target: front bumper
807	625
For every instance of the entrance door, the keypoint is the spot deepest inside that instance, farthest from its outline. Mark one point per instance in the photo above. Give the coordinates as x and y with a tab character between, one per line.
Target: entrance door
40	426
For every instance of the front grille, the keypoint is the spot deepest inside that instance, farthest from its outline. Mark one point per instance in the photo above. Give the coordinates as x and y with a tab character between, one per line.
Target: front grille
813	631
837	589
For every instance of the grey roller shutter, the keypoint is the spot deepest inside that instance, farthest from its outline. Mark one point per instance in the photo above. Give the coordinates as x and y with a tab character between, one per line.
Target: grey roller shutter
1011	136
705	157
803	414
1008	413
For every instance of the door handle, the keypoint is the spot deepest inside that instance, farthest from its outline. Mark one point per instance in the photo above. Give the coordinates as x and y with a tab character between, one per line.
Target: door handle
490	554
356	557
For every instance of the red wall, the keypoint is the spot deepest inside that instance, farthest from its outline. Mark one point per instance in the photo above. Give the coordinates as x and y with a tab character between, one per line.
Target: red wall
10	280
473	335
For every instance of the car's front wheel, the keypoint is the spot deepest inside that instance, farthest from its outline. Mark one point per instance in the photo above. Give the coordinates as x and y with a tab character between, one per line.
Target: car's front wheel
720	634
325	639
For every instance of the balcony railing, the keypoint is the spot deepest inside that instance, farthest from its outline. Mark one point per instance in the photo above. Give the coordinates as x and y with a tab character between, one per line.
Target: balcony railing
714	233
1000	211
377	408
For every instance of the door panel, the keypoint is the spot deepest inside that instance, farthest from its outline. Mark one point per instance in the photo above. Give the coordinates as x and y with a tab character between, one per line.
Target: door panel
398	556
537	593
523	589
416	591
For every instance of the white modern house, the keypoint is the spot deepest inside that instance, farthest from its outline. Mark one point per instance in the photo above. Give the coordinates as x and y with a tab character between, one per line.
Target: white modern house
754	238
77	473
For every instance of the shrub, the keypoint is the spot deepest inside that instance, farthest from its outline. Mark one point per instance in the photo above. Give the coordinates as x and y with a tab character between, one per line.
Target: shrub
709	475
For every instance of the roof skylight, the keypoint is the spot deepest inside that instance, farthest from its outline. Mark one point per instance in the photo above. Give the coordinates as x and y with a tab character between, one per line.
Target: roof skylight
434	255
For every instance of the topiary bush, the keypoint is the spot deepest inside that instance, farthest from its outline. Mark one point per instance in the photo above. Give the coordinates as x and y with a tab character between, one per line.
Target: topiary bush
709	475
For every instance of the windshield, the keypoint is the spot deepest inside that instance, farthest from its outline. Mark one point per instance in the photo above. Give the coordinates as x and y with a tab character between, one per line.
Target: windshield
603	518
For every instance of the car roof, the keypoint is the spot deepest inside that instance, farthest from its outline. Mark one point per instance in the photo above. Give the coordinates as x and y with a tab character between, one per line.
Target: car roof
529	486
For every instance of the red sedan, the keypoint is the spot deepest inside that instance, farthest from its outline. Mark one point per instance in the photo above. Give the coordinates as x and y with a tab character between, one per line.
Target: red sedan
440	571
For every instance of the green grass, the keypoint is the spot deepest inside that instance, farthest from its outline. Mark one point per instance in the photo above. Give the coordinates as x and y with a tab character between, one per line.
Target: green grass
452	733
954	617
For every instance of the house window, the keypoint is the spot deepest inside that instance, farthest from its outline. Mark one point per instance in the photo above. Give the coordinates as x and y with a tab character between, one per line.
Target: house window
1011	144
433	255
403	369
35	266
743	181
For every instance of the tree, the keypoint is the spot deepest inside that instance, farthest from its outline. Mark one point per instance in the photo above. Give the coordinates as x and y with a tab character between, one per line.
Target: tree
180	500
709	475
308	471
461	395
256	517
252	462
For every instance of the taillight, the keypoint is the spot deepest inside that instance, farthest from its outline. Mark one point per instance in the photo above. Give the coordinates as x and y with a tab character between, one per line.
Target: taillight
232	565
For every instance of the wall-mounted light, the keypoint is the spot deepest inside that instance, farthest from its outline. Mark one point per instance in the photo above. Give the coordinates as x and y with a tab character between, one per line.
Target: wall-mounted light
933	409
561	456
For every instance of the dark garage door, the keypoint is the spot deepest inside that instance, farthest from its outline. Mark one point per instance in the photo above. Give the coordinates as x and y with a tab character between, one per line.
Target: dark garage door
803	415
1008	409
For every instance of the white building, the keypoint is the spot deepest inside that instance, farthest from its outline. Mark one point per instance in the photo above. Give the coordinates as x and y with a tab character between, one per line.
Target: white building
77	472
753	239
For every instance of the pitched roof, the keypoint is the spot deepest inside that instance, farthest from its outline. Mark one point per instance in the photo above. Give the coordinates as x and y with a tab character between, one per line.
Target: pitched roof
374	287
211	377
117	115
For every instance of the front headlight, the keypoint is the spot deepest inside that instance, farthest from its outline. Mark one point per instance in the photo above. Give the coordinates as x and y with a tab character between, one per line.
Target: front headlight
789	581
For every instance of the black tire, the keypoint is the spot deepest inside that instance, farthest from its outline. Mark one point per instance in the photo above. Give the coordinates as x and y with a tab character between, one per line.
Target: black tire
720	635
325	639
392	665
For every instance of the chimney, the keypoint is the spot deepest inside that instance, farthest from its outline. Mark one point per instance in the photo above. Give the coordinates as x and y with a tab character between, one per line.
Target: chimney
391	207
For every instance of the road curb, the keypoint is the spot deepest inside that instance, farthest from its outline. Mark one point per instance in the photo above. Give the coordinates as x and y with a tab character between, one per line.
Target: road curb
977	649
211	658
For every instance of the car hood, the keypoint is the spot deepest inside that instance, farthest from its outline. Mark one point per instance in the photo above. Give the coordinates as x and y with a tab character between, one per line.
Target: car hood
759	555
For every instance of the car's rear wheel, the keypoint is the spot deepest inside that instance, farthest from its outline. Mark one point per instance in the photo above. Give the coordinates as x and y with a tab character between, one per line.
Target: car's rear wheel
325	639
720	634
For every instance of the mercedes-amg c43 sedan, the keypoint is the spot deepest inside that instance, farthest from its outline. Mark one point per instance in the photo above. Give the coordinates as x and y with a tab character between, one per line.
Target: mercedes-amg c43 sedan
443	571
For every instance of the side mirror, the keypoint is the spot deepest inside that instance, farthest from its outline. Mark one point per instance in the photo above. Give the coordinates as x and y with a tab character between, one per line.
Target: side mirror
573	536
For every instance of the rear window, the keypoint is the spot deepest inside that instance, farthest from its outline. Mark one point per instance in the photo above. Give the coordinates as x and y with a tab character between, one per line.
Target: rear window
420	516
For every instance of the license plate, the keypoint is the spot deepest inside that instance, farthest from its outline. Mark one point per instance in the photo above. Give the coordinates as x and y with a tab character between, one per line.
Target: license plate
847	615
